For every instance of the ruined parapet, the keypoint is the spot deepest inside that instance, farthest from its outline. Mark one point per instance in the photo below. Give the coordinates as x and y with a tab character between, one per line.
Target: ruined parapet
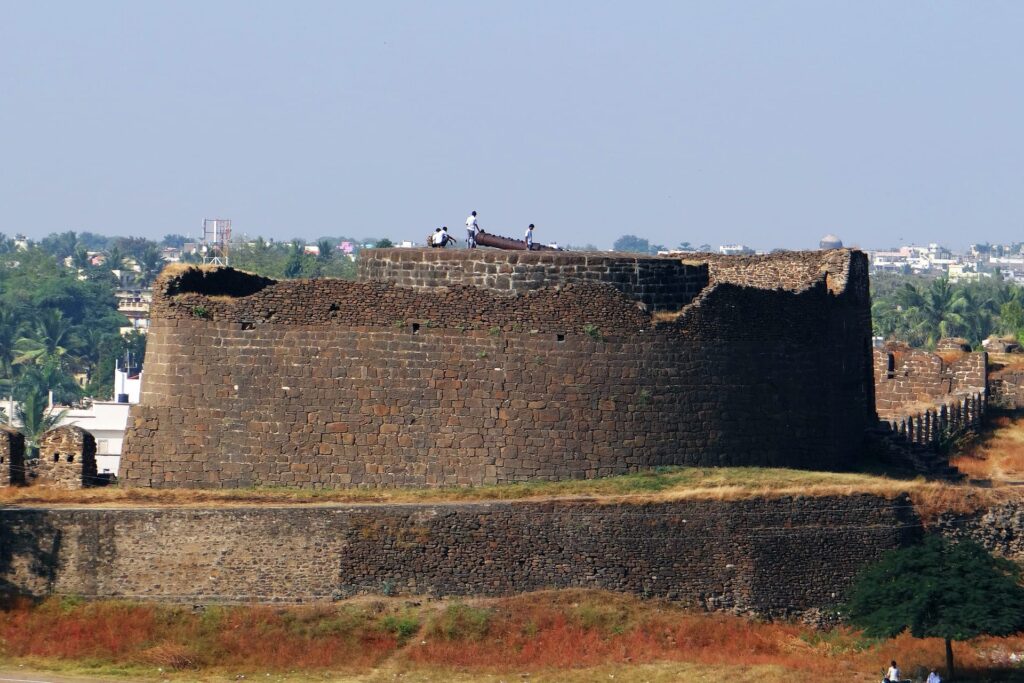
953	344
909	380
661	284
12	457
67	458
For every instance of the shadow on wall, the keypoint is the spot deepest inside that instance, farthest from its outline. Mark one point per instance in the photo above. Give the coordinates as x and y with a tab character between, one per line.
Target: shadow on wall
214	282
29	555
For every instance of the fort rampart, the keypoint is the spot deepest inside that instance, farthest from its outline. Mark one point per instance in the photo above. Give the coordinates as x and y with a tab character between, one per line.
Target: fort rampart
408	378
767	556
927	397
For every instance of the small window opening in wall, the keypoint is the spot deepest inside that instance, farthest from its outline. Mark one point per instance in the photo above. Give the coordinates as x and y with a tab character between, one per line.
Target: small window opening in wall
560	337
891	365
56	457
1	460
415	328
71	457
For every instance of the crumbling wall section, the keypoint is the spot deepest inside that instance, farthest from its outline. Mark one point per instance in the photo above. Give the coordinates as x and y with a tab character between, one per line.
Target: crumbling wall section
67	458
12	457
906	378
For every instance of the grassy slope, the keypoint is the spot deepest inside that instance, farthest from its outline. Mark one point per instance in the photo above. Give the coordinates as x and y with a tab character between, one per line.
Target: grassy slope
551	636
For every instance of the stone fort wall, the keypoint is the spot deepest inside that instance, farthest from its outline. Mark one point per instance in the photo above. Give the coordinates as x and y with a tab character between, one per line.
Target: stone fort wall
336	383
767	556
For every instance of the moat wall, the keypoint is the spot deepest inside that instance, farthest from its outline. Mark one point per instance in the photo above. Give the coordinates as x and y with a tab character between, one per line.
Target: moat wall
334	383
767	556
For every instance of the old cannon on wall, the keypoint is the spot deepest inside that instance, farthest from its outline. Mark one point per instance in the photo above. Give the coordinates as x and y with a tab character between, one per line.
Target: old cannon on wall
486	239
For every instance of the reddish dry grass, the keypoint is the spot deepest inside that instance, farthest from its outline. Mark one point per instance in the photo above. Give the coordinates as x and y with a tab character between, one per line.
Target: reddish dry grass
999	456
175	637
551	630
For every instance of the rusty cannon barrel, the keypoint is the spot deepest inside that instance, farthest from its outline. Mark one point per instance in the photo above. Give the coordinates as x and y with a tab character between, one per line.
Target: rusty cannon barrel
486	239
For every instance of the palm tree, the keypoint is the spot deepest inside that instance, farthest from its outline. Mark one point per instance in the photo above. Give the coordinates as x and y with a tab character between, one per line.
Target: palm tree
151	262
80	259
115	259
326	250
8	336
49	336
36	419
43	379
935	312
293	268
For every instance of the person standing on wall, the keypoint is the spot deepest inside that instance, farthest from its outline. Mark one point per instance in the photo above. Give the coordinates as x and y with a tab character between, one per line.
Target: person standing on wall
471	229
529	238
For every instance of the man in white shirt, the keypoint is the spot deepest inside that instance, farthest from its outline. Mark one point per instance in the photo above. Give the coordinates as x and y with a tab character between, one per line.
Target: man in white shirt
471	229
436	240
529	238
934	677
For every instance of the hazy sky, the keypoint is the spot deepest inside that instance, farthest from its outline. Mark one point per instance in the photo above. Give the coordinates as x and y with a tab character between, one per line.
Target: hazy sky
769	123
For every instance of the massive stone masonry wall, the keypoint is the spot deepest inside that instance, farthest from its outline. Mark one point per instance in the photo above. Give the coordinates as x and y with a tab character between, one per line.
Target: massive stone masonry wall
334	383
767	556
661	284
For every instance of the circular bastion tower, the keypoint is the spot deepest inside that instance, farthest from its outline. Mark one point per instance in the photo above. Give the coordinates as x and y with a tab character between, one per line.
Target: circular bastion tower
458	367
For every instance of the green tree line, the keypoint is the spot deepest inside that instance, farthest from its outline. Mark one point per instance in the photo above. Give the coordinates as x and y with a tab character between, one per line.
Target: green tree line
921	311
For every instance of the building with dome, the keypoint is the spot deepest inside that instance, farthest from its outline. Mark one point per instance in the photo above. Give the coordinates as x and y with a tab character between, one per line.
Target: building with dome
830	241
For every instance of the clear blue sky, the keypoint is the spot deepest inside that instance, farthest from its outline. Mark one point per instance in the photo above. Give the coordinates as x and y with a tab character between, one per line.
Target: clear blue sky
769	123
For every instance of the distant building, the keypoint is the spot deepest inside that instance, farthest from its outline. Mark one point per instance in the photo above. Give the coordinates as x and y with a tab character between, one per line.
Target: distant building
830	241
735	250
134	304
107	420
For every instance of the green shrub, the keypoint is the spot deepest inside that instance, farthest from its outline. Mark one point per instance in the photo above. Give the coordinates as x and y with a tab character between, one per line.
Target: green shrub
460	621
402	625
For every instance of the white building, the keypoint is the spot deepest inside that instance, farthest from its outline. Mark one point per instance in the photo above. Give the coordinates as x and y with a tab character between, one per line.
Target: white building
108	420
735	250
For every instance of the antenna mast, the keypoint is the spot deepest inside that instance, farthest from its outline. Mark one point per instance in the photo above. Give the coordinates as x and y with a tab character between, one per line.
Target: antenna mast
216	241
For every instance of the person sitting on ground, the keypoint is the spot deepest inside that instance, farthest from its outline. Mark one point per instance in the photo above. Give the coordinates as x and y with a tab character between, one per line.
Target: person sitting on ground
893	675
529	238
447	238
437	239
934	677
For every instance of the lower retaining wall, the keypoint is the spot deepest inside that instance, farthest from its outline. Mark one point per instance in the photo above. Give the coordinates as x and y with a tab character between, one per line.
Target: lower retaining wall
767	556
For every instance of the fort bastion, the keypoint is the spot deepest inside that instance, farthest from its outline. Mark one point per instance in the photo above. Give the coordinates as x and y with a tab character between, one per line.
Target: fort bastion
458	367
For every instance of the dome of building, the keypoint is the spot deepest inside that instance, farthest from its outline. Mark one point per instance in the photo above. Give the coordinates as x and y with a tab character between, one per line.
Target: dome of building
830	241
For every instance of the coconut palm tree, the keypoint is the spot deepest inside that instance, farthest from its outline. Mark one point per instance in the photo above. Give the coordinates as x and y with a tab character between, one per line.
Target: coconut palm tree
36	419
151	262
47	337
326	250
115	259
80	259
935	312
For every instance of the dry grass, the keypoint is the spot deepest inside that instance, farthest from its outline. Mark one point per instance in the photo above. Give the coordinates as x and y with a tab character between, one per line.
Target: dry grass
666	483
1000	456
550	636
